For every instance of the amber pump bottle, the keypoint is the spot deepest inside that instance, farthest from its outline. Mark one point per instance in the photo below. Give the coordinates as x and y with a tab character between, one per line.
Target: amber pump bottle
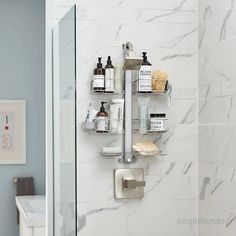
99	77
102	120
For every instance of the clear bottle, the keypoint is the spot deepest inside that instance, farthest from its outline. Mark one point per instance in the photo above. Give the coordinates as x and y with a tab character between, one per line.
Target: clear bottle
109	76
99	77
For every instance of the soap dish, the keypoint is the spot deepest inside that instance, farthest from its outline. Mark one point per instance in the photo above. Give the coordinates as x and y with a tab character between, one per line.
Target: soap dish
111	151
147	154
107	154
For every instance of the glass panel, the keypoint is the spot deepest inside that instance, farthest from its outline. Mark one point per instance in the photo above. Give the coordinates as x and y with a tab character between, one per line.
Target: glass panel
64	78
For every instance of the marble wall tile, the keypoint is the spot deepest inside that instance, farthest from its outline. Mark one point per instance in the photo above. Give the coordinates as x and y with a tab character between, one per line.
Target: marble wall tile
115	33
216	150
210	8
224	89
171	177
219	193
179	144
149	4
126	15
139	218
219	110
184	93
216	171
161	187
216	63
218	28
217	145
170	187
215	221
152	166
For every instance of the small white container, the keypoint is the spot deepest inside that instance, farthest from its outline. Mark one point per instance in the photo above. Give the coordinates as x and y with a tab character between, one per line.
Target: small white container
157	122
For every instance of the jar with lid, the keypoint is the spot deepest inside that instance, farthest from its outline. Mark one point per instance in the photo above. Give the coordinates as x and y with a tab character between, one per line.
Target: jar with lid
157	122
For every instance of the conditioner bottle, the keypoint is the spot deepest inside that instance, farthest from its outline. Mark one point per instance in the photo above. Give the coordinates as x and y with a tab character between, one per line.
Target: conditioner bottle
109	76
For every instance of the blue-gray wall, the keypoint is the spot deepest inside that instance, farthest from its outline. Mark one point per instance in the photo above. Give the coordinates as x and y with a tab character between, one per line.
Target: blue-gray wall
22	76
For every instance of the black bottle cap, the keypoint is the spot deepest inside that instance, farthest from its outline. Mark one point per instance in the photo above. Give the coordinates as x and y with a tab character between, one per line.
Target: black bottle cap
99	64
102	108
157	115
144	56
109	62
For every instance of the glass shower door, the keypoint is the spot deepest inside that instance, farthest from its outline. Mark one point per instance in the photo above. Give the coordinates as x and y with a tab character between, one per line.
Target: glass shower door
64	119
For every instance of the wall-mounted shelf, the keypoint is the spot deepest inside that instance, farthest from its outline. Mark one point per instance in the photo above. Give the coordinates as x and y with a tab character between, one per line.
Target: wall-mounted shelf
107	93
153	93
135	154
166	91
134	131
150	132
92	127
117	87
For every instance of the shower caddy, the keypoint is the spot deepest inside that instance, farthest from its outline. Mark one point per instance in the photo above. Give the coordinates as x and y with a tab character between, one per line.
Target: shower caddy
131	63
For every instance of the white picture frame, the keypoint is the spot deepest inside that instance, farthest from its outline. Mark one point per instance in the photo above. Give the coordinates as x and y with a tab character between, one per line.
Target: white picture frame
12	132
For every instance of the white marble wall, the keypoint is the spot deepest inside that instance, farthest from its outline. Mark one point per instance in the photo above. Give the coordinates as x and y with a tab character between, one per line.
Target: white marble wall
217	116
167	30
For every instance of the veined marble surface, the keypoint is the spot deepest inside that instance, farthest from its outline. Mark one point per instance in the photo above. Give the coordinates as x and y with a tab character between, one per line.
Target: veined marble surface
217	118
204	95
218	28
210	8
174	5
167	30
217	83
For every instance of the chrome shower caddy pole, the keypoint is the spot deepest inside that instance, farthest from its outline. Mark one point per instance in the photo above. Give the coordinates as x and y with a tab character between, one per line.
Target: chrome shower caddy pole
132	63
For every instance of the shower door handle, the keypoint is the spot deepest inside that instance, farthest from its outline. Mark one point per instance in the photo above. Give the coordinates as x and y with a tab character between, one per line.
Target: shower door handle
129	184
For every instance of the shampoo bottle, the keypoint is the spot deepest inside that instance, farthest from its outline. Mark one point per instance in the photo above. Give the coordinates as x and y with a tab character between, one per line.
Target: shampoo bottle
102	120
109	76
99	77
144	84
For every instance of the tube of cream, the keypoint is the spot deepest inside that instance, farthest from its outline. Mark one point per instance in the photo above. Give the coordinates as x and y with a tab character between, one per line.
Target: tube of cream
114	117
143	114
119	114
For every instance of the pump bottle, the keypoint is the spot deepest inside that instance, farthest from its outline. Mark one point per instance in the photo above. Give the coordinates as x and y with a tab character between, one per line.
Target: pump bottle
99	77
102	120
109	76
144	84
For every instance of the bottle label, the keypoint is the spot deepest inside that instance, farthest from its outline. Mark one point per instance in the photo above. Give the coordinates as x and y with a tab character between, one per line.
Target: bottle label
102	123
145	79
98	81
157	124
109	79
109	73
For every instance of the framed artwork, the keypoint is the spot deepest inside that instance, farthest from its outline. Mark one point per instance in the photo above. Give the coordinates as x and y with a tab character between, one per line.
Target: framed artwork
12	132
